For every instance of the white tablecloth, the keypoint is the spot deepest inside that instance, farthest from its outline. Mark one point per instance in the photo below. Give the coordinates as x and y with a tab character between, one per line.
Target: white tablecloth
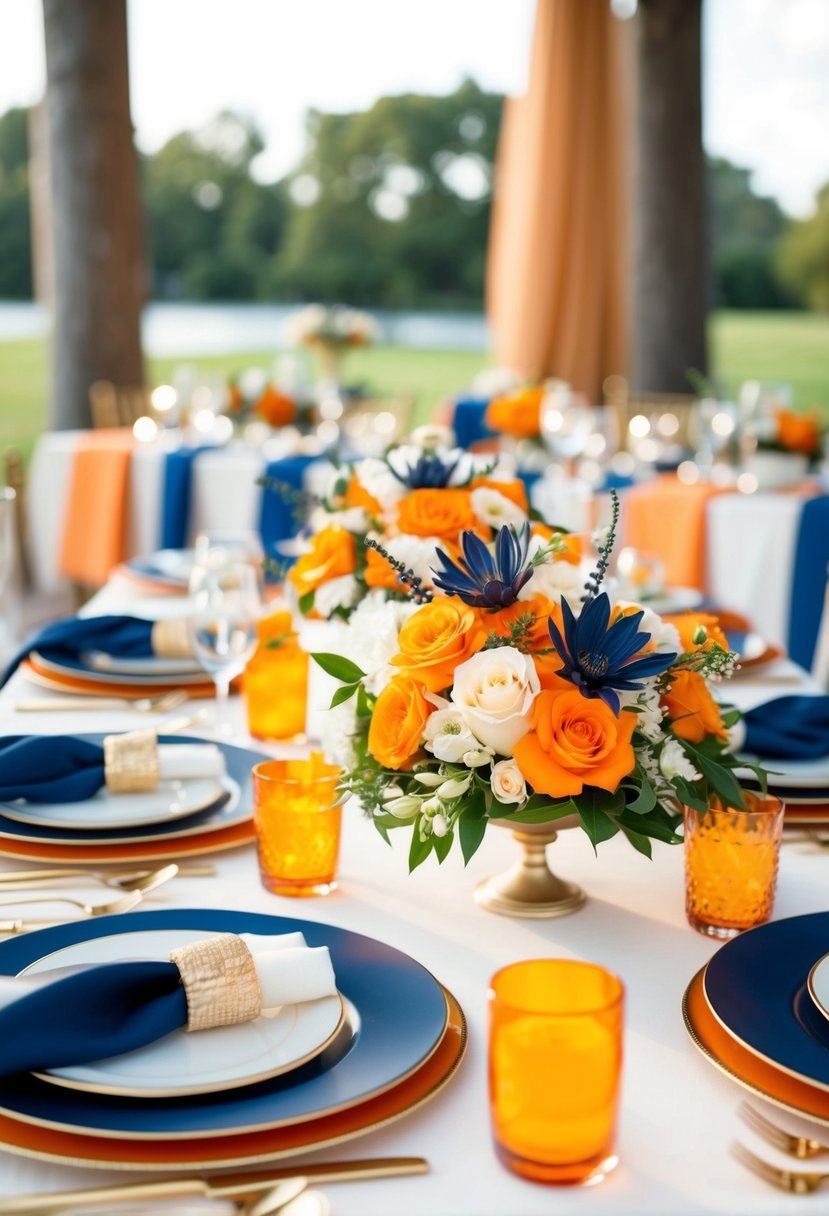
678	1113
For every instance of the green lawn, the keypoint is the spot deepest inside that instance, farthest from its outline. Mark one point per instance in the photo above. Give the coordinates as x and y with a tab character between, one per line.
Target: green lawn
792	347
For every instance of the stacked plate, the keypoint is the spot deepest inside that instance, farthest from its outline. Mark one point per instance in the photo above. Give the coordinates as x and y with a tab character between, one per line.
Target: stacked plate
179	818
103	674
760	1011
312	1076
804	787
166	568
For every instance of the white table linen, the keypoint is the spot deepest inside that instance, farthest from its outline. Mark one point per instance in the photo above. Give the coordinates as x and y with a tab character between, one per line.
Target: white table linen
678	1113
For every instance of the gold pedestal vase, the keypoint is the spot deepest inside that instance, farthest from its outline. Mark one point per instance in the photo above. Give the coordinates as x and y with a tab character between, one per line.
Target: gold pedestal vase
530	888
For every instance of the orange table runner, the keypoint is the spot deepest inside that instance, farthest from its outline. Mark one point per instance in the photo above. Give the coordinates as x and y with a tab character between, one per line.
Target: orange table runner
93	538
666	518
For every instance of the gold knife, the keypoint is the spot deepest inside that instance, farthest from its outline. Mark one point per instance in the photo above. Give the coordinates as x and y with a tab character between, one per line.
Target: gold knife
229	1186
54	873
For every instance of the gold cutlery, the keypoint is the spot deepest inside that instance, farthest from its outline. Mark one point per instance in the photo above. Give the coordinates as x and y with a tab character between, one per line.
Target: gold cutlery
802	1147
230	1186
797	1182
277	1198
124	880
158	704
144	882
124	904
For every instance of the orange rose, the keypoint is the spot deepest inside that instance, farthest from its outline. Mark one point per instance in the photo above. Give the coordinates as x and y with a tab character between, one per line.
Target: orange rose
539	607
516	413
441	513
356	495
275	407
798	432
398	722
687	623
514	490
436	639
691	708
378	572
575	741
332	555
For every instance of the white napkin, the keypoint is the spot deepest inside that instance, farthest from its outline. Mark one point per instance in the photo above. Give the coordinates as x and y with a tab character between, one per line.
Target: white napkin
180	761
289	971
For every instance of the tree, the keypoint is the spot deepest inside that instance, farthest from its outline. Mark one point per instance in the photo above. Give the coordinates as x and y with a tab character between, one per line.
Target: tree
100	281
393	203
15	224
670	245
803	255
745	229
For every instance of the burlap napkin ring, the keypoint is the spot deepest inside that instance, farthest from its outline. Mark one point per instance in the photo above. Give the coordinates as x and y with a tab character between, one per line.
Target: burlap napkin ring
170	640
131	762
220	982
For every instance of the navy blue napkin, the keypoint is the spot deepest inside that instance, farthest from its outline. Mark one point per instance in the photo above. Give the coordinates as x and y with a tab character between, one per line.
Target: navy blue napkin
88	1012
809	580
789	728
49	768
278	517
124	637
469	421
175	502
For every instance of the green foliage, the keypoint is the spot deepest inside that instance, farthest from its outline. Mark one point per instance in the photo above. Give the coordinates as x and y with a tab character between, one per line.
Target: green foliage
15	224
803	256
745	230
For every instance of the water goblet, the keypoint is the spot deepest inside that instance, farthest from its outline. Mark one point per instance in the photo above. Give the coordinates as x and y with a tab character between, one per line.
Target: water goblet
222	626
566	425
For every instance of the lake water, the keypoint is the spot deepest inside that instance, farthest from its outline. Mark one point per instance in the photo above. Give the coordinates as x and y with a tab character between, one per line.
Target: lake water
202	329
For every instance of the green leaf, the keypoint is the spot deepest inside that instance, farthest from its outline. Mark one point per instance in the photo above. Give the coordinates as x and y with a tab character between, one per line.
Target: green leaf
339	667
540	814
592	808
442	846
389	821
381	828
420	849
641	843
720	778
646	800
472	826
343	694
649	825
688	795
306	602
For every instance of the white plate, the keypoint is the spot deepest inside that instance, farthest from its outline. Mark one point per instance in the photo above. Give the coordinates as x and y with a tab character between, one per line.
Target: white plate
79	670
794	774
170	800
818	985
149	665
182	1063
674	599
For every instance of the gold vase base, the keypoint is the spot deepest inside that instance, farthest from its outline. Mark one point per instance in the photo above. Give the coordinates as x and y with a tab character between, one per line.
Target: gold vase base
490	894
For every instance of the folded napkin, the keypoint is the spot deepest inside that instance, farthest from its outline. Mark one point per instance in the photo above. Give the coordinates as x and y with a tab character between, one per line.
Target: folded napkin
63	768
788	728
278	516
124	637
176	496
73	1015
469	421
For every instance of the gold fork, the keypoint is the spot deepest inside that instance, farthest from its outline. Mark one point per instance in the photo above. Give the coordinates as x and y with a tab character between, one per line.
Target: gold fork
124	904
802	1147
796	1182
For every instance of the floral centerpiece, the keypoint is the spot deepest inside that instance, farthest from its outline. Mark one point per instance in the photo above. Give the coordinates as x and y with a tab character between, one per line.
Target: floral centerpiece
499	701
791	432
331	331
383	517
517	413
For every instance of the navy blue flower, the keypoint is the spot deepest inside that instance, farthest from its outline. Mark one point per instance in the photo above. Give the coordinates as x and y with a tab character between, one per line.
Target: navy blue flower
483	578
427	473
599	657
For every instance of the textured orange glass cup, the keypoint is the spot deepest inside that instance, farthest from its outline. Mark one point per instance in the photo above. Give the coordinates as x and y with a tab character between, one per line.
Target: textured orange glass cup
731	858
276	681
555	1060
297	820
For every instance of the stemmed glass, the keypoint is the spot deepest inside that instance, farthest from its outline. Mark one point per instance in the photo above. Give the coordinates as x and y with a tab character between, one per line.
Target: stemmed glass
222	626
566	425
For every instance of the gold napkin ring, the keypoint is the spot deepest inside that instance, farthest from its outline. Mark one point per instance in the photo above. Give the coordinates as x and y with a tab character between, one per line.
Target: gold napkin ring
220	982
169	640
131	762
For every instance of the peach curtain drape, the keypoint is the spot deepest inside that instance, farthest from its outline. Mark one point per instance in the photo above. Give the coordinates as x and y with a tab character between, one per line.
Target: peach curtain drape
557	264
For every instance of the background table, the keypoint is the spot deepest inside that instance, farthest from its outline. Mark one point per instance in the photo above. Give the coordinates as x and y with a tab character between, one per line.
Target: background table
678	1112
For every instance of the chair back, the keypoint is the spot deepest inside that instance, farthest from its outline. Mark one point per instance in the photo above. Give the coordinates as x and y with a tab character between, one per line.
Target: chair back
671	418
117	405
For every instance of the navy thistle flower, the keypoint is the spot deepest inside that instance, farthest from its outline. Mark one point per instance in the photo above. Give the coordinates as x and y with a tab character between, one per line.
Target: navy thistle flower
599	657
484	577
429	472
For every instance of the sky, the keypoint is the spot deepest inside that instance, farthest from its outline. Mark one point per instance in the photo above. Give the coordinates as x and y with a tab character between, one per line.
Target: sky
765	70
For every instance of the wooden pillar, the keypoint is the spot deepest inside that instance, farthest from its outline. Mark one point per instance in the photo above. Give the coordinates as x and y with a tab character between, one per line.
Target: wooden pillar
100	281
671	288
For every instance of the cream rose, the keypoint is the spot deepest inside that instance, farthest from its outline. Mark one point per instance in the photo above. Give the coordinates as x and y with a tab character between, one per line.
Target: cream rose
495	691
508	784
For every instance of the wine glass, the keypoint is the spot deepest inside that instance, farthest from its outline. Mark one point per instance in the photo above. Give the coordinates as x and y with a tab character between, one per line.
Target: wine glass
222	626
566	424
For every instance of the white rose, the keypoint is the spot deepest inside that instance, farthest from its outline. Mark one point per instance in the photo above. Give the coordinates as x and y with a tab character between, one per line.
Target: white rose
673	762
495	690
508	784
375	476
494	509
342	592
556	580
448	736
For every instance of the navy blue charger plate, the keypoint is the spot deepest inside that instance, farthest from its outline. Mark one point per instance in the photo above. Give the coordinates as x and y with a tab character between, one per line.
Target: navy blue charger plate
402	1016
754	985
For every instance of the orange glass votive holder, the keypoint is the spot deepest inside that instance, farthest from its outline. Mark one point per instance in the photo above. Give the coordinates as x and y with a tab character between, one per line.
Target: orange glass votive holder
731	858
276	681
555	1062
297	813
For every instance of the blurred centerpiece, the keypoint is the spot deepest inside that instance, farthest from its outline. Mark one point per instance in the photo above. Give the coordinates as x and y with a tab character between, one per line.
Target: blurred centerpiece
500	698
331	331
